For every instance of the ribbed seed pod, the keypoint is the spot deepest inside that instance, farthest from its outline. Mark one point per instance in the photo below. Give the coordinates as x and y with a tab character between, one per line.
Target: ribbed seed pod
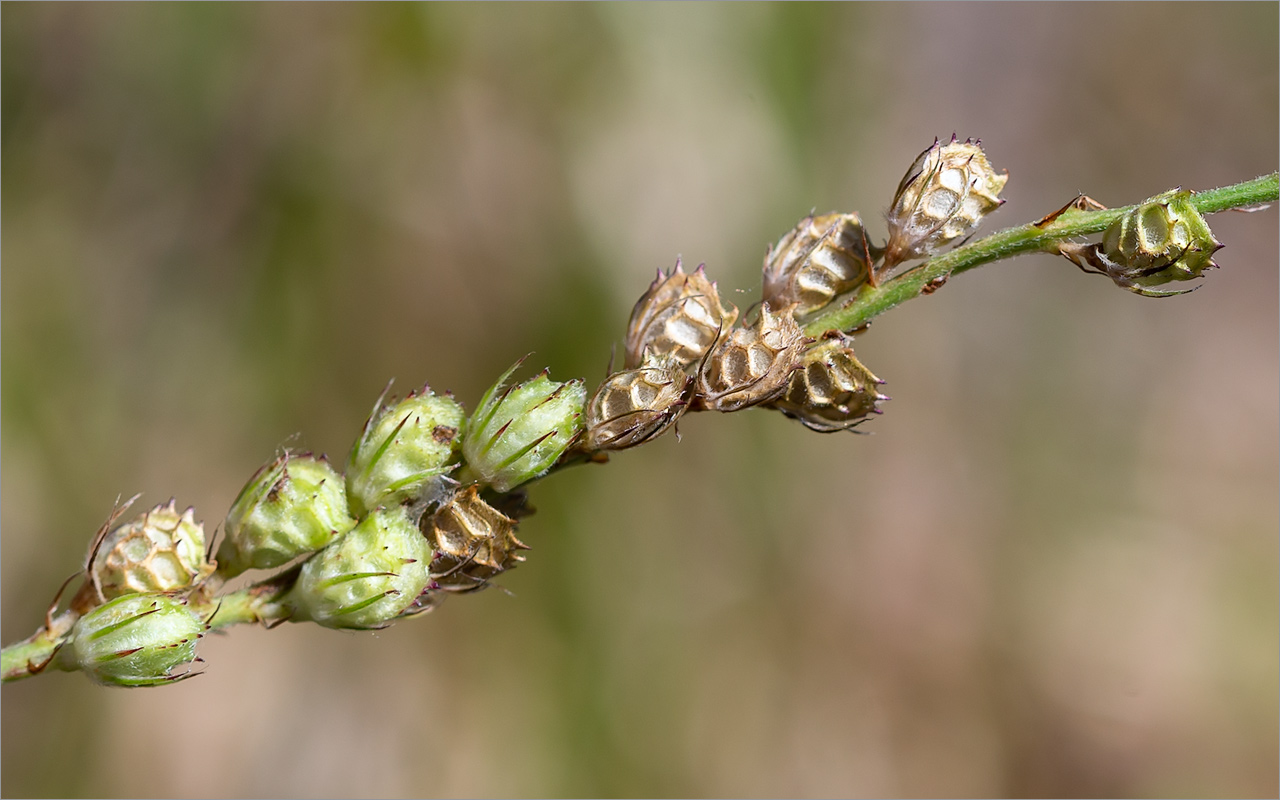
135	640
403	451
832	391
680	316
1164	239
943	197
636	405
159	551
820	258
519	431
473	542
368	577
294	505
752	365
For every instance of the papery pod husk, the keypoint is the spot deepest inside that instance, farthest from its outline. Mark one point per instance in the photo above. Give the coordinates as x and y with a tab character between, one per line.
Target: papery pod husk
942	198
831	391
636	405
680	316
472	542
821	258
751	366
161	550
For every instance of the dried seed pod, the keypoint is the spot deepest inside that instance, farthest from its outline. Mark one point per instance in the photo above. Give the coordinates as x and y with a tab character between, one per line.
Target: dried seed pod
473	542
822	257
752	365
294	505
636	405
943	197
832	391
159	551
680	316
135	640
1163	239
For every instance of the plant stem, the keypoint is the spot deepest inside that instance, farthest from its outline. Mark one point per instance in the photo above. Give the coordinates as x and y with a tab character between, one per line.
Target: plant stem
871	302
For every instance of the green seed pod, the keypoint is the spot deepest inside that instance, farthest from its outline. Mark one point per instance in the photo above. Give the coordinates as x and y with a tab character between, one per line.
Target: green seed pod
943	197
473	542
680	316
291	506
752	365
159	551
368	577
822	257
1164	239
831	391
403	451
135	640
519	431
636	405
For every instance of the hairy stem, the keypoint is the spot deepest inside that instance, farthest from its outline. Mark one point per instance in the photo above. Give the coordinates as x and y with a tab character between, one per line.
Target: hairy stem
872	302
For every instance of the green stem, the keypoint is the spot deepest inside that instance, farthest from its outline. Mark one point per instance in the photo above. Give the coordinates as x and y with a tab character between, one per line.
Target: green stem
871	302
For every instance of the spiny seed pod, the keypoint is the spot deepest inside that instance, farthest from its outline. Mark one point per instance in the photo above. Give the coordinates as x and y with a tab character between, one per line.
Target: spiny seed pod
403	450
294	505
473	541
135	640
752	365
680	316
822	257
943	197
636	405
831	391
1164	239
519	431
368	577
159	551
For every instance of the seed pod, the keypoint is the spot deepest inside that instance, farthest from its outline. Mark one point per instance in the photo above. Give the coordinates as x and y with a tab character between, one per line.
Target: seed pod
943	197
291	506
135	640
1164	239
473	541
680	316
751	365
159	551
831	391
368	577
636	405
822	257
519	431
403	451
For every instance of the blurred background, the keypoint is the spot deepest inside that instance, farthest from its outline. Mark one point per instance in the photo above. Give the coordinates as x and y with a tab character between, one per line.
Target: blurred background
1051	570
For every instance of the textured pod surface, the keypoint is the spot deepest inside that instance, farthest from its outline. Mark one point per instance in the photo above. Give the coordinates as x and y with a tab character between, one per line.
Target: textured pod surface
403	450
943	197
820	258
293	505
752	365
136	640
519	431
680	316
159	551
368	577
831	391
473	542
636	405
1164	239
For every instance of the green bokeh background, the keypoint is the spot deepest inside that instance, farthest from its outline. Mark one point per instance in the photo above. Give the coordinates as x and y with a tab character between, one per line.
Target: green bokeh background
1052	570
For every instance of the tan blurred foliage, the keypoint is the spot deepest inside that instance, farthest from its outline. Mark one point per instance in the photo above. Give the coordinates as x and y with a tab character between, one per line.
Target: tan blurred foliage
1051	571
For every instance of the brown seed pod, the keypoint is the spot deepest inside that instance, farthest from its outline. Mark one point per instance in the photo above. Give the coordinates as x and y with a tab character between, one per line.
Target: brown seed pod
636	405
820	258
943	197
831	391
472	542
680	316
752	365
